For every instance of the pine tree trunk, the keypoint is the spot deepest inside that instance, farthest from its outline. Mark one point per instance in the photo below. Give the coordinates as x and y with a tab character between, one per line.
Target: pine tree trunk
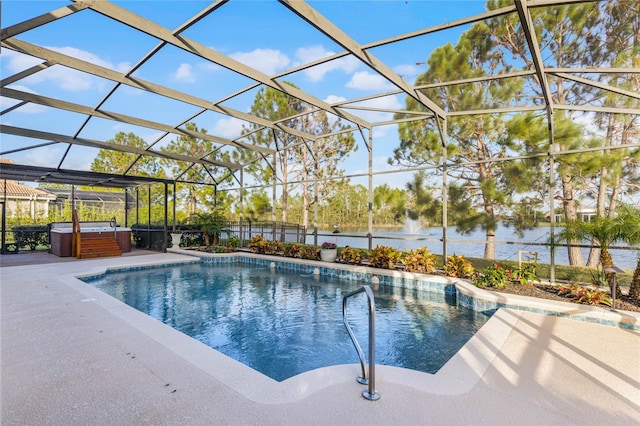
574	253
192	201
490	245
594	256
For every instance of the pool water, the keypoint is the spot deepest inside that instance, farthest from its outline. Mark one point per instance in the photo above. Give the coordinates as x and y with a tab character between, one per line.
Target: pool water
284	323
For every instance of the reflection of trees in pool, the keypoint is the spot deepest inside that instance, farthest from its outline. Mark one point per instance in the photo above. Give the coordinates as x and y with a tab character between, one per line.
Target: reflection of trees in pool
284	333
425	319
268	319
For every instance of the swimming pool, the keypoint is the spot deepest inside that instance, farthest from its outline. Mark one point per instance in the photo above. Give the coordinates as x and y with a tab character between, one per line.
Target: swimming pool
283	323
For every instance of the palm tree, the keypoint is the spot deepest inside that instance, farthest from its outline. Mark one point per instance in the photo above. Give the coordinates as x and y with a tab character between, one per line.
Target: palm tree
213	224
601	230
628	220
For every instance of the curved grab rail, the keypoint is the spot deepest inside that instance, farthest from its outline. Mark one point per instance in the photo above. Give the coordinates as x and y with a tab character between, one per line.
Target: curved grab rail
370	393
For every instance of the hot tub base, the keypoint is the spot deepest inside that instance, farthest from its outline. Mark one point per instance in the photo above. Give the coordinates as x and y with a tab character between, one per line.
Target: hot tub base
62	238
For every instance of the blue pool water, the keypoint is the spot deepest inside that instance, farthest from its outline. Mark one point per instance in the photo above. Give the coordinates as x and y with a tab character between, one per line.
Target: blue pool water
284	323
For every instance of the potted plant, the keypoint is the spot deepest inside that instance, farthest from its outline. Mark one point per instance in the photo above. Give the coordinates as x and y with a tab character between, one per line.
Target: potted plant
175	239
328	252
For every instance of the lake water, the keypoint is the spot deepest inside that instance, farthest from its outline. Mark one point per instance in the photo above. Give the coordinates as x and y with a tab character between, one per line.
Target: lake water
471	245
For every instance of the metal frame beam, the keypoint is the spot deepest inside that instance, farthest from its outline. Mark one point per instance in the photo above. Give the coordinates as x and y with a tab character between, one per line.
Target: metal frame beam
151	28
306	12
56	138
109	115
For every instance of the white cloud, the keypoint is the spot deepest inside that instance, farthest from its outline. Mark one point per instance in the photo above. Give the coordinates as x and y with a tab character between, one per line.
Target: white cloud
229	128
65	78
380	132
332	99
408	72
43	157
88	57
28	108
17	62
364	80
387	102
269	61
184	73
312	53
209	66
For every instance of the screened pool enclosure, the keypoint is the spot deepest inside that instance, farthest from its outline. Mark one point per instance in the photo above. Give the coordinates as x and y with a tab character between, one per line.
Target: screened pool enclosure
484	113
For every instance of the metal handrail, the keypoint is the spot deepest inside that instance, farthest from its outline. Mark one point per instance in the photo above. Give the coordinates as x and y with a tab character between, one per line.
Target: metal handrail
370	393
114	225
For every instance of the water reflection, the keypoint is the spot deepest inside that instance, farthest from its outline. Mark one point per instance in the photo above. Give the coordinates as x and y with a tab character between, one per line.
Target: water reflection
282	324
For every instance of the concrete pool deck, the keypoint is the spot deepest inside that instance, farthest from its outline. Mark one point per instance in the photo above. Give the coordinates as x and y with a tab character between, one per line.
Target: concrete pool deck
73	355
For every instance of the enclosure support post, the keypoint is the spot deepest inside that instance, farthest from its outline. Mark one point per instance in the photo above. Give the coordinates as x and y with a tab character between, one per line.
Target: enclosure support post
174	206
273	195
149	216
370	195
445	191
165	228
552	219
315	194
73	199
4	220
241	204
126	207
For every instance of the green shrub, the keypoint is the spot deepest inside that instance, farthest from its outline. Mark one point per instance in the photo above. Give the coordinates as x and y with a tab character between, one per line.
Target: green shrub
233	242
584	295
261	246
258	244
384	257
494	276
32	236
350	255
293	250
273	247
419	260
310	253
526	274
458	266
216	249
498	276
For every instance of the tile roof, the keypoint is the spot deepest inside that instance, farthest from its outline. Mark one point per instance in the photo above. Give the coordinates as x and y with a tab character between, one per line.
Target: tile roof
14	190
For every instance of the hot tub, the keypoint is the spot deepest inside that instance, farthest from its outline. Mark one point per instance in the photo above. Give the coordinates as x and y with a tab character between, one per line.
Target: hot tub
62	236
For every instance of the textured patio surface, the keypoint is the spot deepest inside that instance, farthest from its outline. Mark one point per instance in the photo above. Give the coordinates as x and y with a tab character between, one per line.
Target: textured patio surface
71	355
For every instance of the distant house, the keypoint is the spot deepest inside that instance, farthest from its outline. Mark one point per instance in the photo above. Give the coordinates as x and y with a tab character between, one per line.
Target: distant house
584	213
24	201
587	214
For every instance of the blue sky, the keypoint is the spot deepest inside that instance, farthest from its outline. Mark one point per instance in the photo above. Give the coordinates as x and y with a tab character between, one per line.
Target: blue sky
261	34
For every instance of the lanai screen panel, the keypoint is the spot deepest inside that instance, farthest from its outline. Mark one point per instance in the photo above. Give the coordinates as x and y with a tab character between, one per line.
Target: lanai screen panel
78	74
